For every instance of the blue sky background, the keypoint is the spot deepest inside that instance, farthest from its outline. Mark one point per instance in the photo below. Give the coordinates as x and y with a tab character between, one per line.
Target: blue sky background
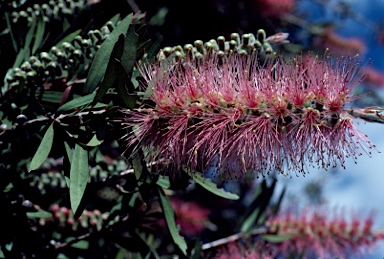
360	188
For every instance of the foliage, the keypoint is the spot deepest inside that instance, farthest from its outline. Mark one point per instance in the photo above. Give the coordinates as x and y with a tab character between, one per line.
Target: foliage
71	186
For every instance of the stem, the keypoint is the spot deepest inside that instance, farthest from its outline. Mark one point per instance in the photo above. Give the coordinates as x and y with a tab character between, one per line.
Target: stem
232	238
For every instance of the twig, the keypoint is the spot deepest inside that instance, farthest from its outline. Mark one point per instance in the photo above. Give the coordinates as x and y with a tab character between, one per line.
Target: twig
370	114
59	245
232	238
51	118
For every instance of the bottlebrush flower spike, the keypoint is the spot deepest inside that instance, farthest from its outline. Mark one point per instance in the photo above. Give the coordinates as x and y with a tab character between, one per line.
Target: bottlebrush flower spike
236	250
315	235
241	116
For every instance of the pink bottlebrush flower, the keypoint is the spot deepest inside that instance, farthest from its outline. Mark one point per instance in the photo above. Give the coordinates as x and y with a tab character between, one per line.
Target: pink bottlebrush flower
245	117
190	216
272	8
236	250
338	44
317	235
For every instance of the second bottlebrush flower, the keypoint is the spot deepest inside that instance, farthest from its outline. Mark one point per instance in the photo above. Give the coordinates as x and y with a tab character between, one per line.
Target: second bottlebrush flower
242	117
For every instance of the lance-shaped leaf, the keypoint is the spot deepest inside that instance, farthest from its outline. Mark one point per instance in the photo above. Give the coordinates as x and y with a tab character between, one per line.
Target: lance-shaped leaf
79	175
70	37
276	238
39	214
43	149
163	181
210	186
111	73
11	31
39	35
77	102
99	64
170	219
24	53
130	49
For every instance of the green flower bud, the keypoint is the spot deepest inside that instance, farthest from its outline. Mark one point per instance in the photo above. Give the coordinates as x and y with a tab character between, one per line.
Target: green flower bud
235	36
45	56
221	43
261	35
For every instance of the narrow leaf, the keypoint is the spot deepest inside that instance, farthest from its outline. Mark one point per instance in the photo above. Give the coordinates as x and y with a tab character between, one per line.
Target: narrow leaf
94	142
130	48
28	39
249	221
39	35
211	186
138	168
151	54
9	25
82	244
163	181
43	149
69	151
108	80
170	219
99	66
128	99
75	103
150	246
197	249
276	238
115	18
79	175
39	214
70	37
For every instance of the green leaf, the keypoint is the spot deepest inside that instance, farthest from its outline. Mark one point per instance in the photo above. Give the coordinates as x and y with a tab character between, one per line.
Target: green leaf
211	186
130	47
9	25
82	244
43	149
151	54
128	99
108	81
39	214
115	18
66	24
69	151
20	57
110	74
163	181
137	167
276	238
28	39
52	96
99	66
75	103
170	219
70	37
39	35
197	249
94	142
79	175
249	221
148	243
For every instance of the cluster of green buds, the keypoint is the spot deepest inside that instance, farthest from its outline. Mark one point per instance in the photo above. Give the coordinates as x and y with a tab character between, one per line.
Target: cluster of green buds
56	180
64	217
51	10
61	61
99	174
245	45
50	180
